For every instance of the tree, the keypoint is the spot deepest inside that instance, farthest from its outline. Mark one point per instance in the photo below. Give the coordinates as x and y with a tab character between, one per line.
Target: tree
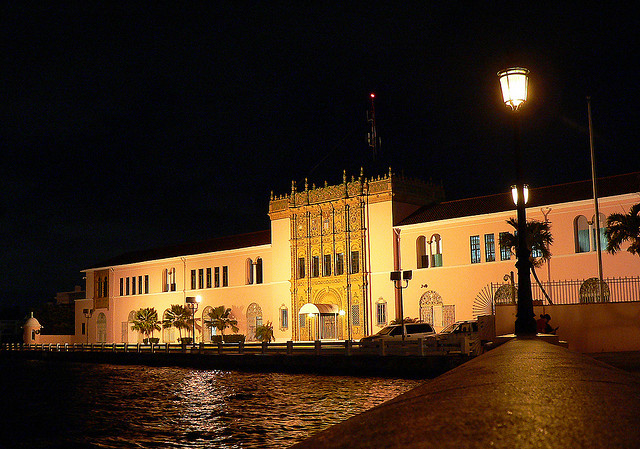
539	240
177	316
622	228
146	321
221	319
264	332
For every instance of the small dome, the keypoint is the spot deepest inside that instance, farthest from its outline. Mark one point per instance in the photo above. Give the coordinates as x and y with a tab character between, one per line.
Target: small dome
32	322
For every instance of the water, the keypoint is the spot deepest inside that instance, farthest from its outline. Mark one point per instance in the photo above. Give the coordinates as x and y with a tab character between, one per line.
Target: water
74	405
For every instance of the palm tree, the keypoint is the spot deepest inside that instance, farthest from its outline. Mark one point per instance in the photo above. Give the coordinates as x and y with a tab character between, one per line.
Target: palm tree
221	319
264	332
539	240
146	321
624	227
177	316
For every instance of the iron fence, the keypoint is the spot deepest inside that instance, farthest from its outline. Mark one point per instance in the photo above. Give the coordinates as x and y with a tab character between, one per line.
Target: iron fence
573	291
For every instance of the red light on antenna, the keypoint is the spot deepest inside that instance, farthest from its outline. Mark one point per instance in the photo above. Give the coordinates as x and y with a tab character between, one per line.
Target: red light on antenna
373	95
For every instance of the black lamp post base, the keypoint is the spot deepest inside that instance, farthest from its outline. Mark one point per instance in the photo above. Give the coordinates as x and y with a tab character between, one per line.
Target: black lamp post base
525	326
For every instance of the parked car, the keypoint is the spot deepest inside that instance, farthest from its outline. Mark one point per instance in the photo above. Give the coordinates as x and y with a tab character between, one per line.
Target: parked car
461	334
393	332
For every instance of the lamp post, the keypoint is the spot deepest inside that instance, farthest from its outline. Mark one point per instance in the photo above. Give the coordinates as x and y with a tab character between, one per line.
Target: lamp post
397	277
87	315
192	304
514	84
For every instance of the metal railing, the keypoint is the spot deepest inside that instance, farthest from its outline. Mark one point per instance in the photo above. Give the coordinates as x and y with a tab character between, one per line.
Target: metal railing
626	289
419	347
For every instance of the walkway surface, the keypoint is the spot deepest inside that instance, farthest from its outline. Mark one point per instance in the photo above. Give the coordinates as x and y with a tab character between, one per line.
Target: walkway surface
524	394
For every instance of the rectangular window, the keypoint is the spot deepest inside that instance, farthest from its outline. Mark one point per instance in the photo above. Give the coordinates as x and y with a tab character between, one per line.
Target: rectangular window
193	279
225	276
355	315
326	265
284	318
201	278
146	283
208	277
133	285
121	286
216	277
339	264
535	252
139	285
475	248
301	265
505	251
355	262
315	266
381	313
489	247
127	286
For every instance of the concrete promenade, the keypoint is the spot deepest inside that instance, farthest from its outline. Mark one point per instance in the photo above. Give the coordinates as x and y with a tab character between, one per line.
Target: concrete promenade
526	393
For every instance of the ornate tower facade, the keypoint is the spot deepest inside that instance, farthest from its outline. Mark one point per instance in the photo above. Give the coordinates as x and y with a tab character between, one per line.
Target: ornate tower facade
330	246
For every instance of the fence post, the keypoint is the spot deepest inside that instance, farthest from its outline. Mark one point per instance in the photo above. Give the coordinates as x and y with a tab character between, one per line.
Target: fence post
241	346
138	347
264	347
289	347
219	347
347	346
318	346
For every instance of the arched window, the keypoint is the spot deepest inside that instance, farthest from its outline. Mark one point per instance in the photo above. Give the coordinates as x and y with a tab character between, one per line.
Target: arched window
249	272
284	317
208	330
254	319
101	328
381	312
435	244
168	333
581	234
421	252
603	238
259	277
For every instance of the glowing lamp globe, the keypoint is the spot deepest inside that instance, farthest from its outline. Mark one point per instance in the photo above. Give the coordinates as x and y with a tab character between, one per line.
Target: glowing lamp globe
514	83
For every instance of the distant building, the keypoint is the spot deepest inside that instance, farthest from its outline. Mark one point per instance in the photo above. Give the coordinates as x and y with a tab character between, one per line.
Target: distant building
70	297
334	247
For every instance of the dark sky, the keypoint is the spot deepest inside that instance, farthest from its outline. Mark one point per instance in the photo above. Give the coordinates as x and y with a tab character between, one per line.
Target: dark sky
130	125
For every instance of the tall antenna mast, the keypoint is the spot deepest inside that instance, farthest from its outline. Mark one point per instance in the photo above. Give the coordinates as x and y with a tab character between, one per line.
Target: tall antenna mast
372	136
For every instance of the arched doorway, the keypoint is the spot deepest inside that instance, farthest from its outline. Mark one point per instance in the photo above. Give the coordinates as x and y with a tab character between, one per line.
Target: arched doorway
101	328
207	330
434	311
254	319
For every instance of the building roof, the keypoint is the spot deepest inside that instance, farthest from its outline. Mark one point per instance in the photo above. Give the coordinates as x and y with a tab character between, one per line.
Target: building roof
191	248
540	196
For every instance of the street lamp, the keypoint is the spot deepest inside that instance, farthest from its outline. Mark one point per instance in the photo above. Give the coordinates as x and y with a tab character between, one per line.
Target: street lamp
397	277
192	304
87	314
514	83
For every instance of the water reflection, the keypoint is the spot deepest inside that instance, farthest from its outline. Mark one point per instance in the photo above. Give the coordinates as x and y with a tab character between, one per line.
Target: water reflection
133	406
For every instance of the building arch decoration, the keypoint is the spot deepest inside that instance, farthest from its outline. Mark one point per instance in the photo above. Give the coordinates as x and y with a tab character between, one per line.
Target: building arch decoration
101	328
207	330
254	319
506	294
590	291
434	311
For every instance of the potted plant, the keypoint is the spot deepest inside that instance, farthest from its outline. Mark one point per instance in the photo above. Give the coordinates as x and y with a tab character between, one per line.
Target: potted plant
264	332
178	316
221	318
145	322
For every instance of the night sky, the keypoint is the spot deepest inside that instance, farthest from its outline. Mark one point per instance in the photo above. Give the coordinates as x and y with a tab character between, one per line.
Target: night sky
129	125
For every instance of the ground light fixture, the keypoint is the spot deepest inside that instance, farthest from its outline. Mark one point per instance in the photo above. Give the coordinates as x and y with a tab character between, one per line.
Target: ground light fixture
192	304
514	83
